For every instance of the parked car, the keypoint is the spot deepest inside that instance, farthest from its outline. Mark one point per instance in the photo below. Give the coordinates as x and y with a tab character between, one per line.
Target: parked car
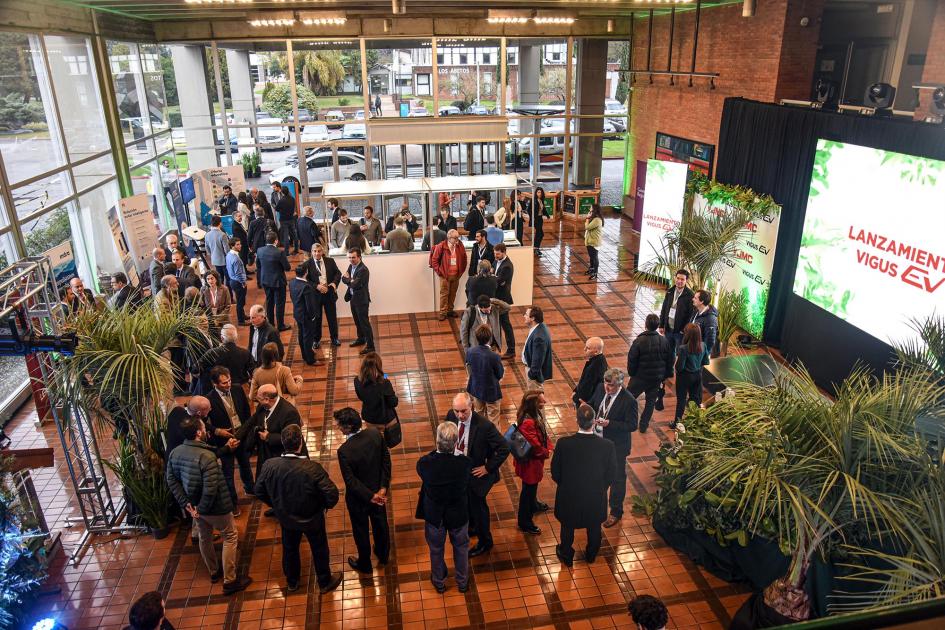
418	112
354	131
359	115
305	115
315	132
613	107
271	131
320	168
335	118
619	124
477	110
449	110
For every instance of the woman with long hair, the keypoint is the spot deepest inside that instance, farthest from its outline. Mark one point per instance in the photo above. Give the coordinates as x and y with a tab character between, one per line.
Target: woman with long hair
501	215
538	218
273	372
215	299
691	355
593	232
531	424
374	390
356	238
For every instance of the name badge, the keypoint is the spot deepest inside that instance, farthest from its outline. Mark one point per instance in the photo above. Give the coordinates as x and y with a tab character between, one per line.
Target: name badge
672	313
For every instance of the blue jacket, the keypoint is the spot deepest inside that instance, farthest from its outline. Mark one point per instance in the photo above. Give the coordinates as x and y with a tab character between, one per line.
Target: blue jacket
217	243
485	372
494	235
272	265
235	267
709	323
537	354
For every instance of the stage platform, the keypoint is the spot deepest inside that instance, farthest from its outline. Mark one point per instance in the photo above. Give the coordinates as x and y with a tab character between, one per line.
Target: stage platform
757	369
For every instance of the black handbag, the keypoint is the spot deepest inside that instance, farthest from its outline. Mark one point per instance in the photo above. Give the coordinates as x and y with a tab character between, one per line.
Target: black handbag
520	447
393	434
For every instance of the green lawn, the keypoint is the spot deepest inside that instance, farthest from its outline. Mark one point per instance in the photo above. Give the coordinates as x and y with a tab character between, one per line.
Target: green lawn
614	149
331	102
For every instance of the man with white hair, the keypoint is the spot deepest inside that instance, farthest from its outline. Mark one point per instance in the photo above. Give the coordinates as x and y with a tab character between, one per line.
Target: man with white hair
616	418
443	506
309	231
595	365
262	332
230	355
478	439
448	260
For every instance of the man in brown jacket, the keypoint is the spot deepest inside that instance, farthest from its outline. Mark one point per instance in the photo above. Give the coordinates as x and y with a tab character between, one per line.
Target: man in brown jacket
449	262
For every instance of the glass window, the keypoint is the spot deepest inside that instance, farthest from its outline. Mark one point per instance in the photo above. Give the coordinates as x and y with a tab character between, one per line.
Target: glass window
89	218
29	136
72	72
130	92
467	87
42	193
153	78
393	77
93	172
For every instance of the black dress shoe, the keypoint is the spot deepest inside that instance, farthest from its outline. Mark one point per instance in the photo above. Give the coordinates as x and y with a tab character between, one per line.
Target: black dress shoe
478	550
563	558
291	588
331	585
353	563
317	345
530	529
541	506
357	342
238	585
365	350
216	577
336	342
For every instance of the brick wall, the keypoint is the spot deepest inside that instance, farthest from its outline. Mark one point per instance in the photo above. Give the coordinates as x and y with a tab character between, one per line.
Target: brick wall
934	71
766	57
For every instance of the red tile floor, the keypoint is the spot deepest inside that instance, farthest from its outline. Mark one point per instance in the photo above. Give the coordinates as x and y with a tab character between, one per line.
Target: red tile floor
519	584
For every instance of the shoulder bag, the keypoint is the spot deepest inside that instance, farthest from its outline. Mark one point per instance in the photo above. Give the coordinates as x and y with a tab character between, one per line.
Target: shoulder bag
520	447
393	434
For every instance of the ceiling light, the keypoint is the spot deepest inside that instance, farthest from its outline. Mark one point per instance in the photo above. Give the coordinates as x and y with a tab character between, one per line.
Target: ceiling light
554	20
507	20
263	19
276	22
323	18
218	1
507	16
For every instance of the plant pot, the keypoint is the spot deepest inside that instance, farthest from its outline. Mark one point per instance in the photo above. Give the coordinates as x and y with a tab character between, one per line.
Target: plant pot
723	349
247	172
160	532
257	172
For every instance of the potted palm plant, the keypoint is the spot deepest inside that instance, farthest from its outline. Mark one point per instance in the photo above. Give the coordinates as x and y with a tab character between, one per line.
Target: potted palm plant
731	312
122	377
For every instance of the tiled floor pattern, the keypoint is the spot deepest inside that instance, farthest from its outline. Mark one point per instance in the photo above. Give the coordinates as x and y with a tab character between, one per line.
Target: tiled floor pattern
519	584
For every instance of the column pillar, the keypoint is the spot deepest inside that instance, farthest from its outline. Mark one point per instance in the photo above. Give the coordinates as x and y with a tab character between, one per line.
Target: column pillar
529	68
241	91
589	89
195	112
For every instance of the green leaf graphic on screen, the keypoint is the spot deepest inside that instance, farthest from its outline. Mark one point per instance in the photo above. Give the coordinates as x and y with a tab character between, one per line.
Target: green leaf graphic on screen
914	169
809	281
657	168
819	176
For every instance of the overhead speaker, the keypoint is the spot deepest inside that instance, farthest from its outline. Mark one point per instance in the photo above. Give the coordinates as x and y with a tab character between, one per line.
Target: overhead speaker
938	100
881	96
826	94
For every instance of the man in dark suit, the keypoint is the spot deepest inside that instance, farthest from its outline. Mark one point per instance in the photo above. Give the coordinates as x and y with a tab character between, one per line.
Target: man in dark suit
358	278
595	365
365	466
228	202
677	310
262	332
304	307
504	270
481	250
583	467
537	352
229	418
309	231
323	274
238	361
258	229
288	225
616	413
300	492
273	414
483	283
476	217
443	506
124	292
157	269
184	273
272	265
485	375
480	441
78	298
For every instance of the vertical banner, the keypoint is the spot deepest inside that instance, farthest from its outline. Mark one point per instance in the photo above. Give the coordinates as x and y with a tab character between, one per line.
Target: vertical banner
208	187
140	230
750	272
174	193
665	197
121	245
62	260
638	196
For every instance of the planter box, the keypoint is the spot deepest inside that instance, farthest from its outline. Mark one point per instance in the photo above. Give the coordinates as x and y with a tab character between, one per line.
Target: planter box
577	203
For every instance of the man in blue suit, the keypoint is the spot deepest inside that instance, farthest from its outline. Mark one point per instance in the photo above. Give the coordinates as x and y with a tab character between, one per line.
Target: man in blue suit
485	372
304	307
537	353
272	265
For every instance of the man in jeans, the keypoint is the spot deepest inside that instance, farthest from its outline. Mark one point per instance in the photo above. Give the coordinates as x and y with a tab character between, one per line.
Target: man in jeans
196	480
649	362
236	274
449	262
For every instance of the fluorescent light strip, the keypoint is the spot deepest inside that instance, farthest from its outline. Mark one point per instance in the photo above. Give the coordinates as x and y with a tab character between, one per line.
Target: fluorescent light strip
218	1
329	21
279	22
553	20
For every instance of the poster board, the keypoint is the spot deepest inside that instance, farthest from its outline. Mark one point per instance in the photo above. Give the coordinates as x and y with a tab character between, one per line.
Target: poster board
62	260
208	187
665	197
121	245
140	231
750	272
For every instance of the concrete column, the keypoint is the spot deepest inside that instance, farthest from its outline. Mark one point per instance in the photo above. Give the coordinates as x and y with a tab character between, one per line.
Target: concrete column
195	110
589	89
529	67
241	91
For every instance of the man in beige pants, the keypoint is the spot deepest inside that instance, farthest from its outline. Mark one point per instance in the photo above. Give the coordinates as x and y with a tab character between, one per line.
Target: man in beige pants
448	260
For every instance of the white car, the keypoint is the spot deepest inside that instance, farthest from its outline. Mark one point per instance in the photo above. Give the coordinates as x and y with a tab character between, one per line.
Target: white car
449	110
354	131
315	133
321	169
271	131
359	115
613	107
335	118
418	112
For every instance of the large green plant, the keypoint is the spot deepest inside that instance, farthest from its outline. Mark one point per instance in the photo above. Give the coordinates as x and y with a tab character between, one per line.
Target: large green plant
732	309
812	473
142	476
705	242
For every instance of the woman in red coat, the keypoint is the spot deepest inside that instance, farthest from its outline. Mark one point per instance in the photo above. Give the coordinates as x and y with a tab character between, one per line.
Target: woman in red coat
531	424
